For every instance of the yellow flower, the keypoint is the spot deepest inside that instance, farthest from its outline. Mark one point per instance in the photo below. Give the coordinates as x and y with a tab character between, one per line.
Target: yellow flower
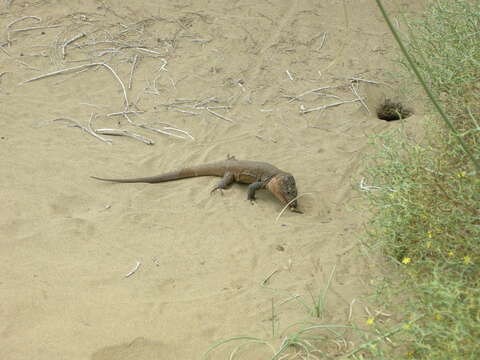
406	260
429	234
438	317
451	253
467	259
461	174
429	244
406	326
370	321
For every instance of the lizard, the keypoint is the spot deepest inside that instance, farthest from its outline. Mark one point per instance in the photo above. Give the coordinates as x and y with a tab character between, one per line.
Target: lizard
259	175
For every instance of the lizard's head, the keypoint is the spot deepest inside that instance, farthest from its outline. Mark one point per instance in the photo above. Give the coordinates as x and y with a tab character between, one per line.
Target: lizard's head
283	187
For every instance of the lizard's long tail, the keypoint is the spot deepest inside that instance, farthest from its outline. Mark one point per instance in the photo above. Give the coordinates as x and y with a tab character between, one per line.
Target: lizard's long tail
203	170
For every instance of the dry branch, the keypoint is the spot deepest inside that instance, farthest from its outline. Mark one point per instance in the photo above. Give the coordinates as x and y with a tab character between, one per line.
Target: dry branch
121	132
87	129
306	111
185	111
36	28
64	46
143	126
122	113
355	91
313	91
1	48
179	130
80	67
17	21
134	270
323	41
364	80
134	65
219	115
289	75
288	204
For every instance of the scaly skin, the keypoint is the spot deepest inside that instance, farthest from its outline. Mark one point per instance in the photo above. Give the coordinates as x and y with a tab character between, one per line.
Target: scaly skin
259	175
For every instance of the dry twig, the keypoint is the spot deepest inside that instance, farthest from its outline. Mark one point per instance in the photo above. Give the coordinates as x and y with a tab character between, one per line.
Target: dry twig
17	21
204	101
134	65
179	130
134	270
122	113
36	28
121	132
350	311
143	126
87	129
185	111
289	75
367	81
80	67
265	281
64	46
313	91
323	107
148	51
219	115
288	204
1	48
355	91
323	41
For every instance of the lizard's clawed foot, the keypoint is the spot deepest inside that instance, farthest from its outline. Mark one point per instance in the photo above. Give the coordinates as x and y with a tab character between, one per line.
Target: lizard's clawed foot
220	190
296	211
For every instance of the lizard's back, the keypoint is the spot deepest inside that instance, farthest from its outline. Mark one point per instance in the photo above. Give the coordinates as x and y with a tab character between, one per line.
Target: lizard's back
244	171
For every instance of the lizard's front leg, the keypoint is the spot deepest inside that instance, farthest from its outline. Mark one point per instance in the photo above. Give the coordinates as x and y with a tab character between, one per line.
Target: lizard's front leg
227	180
252	188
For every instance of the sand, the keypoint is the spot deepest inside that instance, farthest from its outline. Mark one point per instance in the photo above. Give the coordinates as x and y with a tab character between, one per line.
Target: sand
67	241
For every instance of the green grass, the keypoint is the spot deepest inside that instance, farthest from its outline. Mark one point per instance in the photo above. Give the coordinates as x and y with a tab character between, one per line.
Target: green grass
312	338
318	301
426	214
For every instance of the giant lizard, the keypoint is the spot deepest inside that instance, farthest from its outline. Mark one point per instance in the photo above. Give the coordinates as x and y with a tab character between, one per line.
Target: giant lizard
260	175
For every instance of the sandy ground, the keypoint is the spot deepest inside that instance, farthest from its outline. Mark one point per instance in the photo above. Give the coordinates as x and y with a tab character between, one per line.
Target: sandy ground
67	241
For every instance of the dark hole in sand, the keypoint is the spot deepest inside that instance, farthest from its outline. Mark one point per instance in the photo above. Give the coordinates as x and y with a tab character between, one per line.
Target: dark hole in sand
391	110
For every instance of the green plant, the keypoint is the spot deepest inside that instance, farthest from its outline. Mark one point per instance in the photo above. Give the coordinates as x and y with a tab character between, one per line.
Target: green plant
426	204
